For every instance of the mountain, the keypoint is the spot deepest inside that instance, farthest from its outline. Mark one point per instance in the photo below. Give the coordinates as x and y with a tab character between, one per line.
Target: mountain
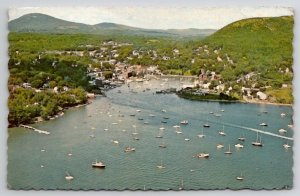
41	23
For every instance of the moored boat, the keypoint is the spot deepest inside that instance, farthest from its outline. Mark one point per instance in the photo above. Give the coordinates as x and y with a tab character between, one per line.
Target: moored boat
98	164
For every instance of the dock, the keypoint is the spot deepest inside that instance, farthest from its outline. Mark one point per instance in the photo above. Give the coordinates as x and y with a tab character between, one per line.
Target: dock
34	129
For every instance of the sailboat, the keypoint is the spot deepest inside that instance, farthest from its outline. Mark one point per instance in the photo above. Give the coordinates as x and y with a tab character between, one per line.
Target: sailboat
201	135
222	132
257	143
242	138
181	186
160	134
68	176
206	125
135	132
162	145
161	166
241	177
228	152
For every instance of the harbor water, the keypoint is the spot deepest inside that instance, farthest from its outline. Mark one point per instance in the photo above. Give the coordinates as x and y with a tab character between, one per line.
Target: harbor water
89	133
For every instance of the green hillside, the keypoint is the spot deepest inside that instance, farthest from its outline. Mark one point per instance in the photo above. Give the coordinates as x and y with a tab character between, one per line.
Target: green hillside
259	44
262	46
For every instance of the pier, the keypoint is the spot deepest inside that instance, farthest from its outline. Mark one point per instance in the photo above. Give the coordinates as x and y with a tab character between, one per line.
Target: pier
34	129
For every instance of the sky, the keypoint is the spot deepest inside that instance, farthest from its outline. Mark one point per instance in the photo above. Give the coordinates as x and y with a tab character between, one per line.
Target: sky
151	17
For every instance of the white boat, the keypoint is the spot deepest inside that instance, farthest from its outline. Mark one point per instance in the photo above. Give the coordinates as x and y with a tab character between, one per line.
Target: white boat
228	152
187	139
202	155
135	132
239	146
163	145
206	125
242	138
129	149
160	133
222	132
92	136
219	146
115	141
161	166
176	126
263	124
164	111
181	186
184	122
138	110
290	126
257	143
218	115
98	164
151	115
201	135
241	177
282	114
178	132
68	177
282	131
105	129
286	145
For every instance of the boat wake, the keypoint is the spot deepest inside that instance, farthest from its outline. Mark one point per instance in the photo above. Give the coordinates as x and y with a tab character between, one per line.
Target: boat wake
258	130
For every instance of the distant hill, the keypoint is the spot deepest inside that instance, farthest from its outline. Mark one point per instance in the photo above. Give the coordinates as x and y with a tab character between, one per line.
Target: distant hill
41	23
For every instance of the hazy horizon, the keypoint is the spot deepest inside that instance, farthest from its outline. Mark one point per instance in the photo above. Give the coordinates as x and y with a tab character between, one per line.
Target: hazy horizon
154	18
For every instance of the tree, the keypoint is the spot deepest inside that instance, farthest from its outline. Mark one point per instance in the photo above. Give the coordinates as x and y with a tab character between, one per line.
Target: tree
52	84
37	83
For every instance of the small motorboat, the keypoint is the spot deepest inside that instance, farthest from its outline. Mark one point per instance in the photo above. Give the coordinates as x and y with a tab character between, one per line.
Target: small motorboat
202	155
239	146
184	122
129	149
263	124
98	164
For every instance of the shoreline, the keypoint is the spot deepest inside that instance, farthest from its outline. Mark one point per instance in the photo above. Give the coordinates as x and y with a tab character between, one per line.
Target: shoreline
239	101
61	113
56	116
242	101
